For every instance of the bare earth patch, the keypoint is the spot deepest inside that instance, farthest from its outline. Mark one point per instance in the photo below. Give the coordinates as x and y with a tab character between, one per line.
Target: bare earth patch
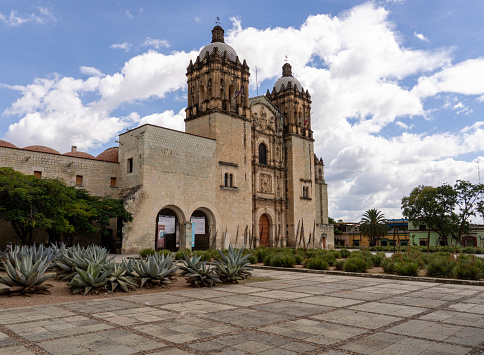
61	293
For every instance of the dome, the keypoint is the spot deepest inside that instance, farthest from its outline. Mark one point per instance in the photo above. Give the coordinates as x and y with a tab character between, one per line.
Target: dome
218	41
79	155
287	78
6	144
222	47
110	154
41	149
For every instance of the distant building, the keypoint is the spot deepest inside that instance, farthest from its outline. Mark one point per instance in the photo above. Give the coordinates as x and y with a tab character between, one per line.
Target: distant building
349	234
419	235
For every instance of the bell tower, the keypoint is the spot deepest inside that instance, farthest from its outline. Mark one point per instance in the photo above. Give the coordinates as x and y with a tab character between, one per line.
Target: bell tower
293	102
217	81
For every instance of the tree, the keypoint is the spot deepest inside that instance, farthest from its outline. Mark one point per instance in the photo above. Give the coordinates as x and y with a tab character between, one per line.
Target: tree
445	209
29	203
373	225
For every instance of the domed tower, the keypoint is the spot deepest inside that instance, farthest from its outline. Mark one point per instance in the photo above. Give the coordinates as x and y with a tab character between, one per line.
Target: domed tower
295	105
217	81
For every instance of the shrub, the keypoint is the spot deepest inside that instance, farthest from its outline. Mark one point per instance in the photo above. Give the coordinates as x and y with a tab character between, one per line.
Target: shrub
262	252
280	260
252	259
336	254
299	259
440	267
377	259
406	268
164	252
388	266
316	264
339	264
330	258
180	254
468	270
345	253
355	265
147	252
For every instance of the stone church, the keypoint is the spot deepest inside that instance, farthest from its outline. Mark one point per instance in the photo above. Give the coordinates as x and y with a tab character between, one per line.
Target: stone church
244	171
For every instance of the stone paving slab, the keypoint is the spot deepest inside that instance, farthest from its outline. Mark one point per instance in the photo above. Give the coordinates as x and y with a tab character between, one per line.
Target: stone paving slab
293	313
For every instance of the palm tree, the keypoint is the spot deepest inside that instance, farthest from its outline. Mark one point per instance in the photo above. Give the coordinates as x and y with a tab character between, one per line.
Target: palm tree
373	225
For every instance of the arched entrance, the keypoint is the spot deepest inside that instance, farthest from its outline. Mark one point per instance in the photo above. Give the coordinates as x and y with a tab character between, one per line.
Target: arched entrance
264	231
167	230
201	228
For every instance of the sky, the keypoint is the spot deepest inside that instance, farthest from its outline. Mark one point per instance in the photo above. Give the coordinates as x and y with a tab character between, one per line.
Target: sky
397	87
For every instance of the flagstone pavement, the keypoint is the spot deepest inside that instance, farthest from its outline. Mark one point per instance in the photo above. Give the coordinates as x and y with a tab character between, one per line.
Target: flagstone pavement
293	313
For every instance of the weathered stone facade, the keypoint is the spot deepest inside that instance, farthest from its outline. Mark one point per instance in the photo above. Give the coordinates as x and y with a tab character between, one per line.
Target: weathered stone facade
244	171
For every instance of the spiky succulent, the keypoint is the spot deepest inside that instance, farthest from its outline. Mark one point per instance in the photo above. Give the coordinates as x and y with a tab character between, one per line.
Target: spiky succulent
157	270
25	276
93	279
233	266
198	273
35	252
119	276
79	257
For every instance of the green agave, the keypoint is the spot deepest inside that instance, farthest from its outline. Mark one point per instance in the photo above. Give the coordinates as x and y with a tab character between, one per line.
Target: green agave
79	257
121	278
157	270
93	279
198	273
25	276
234	266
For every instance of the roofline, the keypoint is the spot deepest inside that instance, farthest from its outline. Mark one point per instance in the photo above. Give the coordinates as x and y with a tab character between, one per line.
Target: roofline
165	128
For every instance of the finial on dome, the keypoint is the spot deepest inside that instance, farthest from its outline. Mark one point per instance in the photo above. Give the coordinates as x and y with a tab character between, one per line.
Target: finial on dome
286	70
218	34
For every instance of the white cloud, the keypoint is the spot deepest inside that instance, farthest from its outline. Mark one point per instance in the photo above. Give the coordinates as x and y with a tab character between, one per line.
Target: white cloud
352	64
420	36
126	46
91	71
167	119
42	16
156	43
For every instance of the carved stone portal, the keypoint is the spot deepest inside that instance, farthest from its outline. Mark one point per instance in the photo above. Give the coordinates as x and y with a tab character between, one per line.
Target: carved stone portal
265	183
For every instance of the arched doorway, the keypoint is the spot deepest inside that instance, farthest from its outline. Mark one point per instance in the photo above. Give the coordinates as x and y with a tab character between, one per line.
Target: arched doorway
167	230
264	231
201	228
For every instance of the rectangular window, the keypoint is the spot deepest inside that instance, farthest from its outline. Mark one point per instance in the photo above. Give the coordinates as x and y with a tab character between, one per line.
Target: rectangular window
422	227
38	174
130	165
78	180
113	182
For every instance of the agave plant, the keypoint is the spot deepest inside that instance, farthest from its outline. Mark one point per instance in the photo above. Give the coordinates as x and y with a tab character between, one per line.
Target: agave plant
79	257
233	266
119	276
157	270
24	276
36	253
93	279
198	273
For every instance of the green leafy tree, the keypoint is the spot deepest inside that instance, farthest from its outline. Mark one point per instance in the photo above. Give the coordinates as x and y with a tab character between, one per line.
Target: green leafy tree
445	209
373	225
29	203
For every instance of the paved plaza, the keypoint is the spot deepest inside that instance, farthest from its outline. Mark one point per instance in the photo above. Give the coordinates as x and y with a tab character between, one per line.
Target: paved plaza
293	313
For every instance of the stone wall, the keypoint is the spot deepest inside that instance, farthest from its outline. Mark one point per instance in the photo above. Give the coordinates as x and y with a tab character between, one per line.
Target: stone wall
96	174
170	169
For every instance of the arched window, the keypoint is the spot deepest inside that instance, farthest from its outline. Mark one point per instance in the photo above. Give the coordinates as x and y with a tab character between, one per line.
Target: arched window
226	180
262	154
231	180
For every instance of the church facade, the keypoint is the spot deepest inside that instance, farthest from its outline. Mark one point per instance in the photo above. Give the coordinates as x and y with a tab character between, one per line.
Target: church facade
244	171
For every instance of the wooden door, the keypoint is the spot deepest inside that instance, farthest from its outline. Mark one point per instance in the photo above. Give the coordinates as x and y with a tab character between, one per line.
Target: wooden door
264	231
